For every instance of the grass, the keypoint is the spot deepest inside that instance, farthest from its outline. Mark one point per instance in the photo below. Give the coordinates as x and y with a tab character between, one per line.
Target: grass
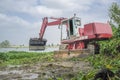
21	57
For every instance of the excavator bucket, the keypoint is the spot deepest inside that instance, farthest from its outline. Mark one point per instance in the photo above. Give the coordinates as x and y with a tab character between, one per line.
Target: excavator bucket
37	44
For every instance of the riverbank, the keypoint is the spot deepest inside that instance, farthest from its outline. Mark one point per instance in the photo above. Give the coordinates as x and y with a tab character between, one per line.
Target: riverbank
38	66
22	65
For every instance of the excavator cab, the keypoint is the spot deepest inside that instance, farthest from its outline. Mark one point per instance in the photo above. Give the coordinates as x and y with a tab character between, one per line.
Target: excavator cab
37	44
73	24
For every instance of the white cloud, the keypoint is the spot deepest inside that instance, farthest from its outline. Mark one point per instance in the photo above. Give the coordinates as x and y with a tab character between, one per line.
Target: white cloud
42	11
47	11
58	4
17	30
12	5
29	7
50	7
68	7
11	21
65	4
108	2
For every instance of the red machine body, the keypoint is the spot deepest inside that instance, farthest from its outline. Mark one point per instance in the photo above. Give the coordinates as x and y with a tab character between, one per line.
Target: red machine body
98	30
90	32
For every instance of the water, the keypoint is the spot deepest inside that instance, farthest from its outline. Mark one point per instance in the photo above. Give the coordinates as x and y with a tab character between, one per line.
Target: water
27	49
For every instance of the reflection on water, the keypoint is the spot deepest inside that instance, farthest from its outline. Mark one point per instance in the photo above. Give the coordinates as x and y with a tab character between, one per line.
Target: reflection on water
26	49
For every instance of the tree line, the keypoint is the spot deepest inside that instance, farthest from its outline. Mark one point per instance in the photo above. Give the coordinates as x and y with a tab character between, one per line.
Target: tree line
5	44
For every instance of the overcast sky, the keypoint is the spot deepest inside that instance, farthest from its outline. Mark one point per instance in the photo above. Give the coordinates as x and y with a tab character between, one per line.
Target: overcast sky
21	19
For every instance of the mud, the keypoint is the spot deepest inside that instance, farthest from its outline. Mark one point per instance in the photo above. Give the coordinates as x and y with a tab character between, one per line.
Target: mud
44	71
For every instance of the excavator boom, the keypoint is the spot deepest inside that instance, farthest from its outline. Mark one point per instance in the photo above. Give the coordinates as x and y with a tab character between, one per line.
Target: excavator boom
39	43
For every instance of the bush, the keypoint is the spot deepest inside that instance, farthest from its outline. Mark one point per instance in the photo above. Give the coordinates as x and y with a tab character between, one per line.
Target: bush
110	46
21	57
3	56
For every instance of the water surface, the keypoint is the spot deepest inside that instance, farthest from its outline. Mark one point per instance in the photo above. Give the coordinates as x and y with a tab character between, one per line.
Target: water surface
27	49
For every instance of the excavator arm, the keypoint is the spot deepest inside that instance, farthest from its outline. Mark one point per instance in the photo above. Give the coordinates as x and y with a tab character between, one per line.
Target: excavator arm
39	43
45	24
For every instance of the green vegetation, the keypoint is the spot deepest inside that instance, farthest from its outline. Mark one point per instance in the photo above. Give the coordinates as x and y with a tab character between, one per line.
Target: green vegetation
5	44
98	62
15	57
114	13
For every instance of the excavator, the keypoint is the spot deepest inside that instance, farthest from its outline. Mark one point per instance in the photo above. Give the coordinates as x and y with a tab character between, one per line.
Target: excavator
78	38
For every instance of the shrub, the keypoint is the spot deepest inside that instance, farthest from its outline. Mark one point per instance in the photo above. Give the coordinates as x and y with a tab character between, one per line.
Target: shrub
3	56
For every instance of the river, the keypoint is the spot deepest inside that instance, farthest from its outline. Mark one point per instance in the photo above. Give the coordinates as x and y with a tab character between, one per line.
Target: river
27	49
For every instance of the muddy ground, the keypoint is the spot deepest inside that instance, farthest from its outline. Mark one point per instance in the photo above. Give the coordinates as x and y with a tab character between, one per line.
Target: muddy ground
44	70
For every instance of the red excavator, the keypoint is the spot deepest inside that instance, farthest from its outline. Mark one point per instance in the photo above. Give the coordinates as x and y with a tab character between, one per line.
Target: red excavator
77	38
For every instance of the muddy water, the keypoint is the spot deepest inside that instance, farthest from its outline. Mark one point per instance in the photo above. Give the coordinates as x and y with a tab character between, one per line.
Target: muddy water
44	71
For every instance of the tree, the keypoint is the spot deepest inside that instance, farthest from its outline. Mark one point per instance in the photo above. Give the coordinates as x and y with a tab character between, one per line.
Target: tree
5	44
114	13
112	45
